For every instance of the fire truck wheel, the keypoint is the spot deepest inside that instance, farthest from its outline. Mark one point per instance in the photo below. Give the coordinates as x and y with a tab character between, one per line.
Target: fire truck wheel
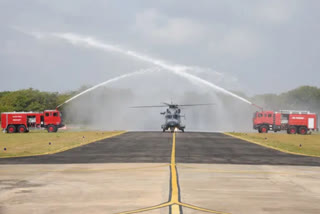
52	128
303	130
11	129
264	129
292	130
22	129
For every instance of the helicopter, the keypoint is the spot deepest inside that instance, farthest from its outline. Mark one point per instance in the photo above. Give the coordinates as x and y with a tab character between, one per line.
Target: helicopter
172	115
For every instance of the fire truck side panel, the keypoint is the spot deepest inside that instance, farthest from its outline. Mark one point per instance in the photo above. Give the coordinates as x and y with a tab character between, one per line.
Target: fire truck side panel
277	119
13	119
315	123
38	119
311	123
306	120
297	120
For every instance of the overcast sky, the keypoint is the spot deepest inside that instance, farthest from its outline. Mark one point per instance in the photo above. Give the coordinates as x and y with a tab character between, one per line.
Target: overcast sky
257	46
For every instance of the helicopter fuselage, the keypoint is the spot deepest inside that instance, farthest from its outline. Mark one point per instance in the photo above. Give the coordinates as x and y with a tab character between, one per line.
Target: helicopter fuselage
172	120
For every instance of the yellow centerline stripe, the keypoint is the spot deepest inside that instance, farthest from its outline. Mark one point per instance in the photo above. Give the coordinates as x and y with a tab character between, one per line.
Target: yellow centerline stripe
174	177
175	209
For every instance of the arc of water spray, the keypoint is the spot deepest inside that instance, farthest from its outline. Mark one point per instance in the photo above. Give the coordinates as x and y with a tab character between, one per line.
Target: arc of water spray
180	70
140	72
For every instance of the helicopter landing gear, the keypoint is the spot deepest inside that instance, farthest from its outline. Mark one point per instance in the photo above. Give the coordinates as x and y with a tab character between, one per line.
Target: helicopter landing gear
163	130
182	130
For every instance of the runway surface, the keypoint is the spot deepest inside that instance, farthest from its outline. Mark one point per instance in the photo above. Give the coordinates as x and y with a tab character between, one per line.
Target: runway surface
160	173
155	147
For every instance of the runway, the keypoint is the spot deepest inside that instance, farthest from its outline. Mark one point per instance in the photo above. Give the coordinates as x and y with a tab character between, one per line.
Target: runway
154	172
155	147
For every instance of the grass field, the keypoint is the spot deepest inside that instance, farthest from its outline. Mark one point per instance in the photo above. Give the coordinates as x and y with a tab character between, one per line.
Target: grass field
42	142
310	144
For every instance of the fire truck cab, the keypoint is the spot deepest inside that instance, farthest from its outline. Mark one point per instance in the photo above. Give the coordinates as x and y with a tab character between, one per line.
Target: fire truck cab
293	122
22	122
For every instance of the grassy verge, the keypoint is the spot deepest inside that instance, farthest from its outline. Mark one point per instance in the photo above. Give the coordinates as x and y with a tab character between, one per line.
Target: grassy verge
310	144
41	142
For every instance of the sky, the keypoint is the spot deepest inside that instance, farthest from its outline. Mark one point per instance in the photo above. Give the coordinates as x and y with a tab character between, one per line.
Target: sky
267	46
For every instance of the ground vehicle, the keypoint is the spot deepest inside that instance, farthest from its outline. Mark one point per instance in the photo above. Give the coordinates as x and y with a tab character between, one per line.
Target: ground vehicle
22	121
292	121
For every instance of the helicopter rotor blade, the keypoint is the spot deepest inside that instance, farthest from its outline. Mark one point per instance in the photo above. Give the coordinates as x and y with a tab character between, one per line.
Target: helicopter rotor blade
159	106
200	104
168	104
173	105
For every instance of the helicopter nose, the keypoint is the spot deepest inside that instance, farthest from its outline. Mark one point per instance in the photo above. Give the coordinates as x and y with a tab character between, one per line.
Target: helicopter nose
172	123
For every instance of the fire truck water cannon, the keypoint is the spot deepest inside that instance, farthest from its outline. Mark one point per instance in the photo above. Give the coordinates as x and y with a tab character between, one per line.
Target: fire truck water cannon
22	122
294	122
259	107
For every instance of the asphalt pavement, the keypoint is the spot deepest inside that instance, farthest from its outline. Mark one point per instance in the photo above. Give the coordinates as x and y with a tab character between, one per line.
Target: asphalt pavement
155	147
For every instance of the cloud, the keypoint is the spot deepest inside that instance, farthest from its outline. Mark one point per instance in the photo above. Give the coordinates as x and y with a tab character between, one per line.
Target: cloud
241	43
276	12
161	29
243	38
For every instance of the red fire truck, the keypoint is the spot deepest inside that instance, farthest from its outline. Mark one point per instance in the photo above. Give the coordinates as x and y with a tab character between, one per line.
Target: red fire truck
21	122
293	122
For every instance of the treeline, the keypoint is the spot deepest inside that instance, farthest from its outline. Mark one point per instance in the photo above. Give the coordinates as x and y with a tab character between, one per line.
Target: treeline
31	100
302	98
